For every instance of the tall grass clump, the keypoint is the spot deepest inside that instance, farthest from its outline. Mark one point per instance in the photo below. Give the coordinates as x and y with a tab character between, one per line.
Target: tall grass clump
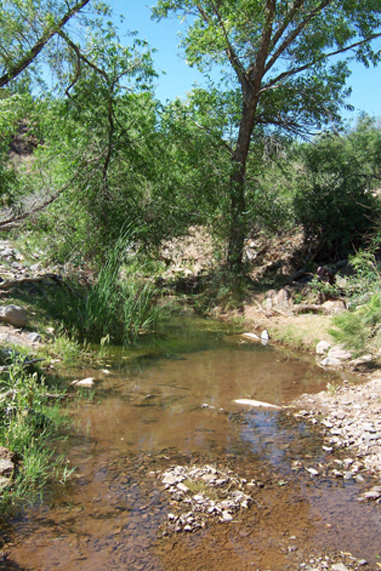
121	304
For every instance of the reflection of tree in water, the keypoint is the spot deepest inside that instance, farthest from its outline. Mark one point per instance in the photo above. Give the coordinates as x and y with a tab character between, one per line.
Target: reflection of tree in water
276	437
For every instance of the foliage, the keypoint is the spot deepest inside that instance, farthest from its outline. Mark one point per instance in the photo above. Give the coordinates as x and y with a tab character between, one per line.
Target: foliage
253	38
360	328
333	199
28	425
119	304
12	110
117	301
27	28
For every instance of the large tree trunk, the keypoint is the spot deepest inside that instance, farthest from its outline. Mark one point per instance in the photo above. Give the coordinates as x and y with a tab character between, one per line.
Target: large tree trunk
238	224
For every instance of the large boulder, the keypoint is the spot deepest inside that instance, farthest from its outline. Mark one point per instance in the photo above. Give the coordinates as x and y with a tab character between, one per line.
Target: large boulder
14	315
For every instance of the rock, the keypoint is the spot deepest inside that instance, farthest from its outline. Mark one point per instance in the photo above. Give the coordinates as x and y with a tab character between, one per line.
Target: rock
13	340
14	315
369	427
338	352
339	567
282	300
226	516
7	454
34	338
265	335
330	362
256	403
182	487
361	360
250	336
6	468
312	471
87	383
333	307
323	347
4	482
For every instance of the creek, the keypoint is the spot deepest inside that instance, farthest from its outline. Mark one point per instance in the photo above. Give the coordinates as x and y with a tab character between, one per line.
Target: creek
170	402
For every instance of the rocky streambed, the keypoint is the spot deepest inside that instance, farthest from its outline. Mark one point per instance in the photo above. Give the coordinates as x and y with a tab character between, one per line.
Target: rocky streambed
349	418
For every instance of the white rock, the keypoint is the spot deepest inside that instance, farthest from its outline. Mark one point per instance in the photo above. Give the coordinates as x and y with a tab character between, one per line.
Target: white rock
331	362
323	347
265	335
226	516
256	403
338	352
339	567
87	383
250	336
182	487
169	479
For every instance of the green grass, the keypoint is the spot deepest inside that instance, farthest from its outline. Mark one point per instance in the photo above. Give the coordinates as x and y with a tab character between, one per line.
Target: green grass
29	425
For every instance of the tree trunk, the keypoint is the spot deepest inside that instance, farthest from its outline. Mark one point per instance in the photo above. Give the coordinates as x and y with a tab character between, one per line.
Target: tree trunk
237	231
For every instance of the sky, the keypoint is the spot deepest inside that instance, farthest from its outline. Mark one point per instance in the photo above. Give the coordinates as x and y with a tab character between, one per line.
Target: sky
179	77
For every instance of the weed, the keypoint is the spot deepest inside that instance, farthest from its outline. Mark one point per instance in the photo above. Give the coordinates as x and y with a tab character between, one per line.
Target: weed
66	473
332	388
199	487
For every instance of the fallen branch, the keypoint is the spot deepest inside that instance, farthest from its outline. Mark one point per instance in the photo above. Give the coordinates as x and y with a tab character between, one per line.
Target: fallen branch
9	283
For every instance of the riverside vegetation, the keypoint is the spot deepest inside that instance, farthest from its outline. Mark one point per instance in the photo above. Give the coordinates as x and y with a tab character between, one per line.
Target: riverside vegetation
98	180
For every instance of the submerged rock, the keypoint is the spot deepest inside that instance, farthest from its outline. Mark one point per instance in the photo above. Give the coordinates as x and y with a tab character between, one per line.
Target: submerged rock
256	403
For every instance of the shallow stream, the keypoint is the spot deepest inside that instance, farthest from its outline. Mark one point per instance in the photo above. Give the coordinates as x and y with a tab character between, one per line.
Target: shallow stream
171	403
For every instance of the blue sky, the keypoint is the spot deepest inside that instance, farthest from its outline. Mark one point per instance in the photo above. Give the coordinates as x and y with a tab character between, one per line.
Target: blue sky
179	77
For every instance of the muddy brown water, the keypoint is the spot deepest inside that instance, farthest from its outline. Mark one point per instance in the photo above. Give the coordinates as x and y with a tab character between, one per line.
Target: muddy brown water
170	403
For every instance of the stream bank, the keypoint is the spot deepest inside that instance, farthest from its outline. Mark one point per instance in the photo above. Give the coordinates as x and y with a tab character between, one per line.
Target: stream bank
127	507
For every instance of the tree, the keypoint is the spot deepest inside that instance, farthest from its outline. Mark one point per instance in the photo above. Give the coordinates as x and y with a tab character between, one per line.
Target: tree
281	53
26	28
335	200
94	155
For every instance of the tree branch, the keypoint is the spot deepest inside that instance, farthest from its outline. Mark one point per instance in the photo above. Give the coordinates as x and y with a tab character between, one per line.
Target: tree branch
230	52
295	33
273	83
31	55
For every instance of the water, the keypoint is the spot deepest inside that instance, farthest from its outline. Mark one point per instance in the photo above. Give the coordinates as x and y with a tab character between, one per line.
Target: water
171	402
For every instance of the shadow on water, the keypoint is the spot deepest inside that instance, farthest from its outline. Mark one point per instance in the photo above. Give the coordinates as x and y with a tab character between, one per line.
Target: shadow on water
171	402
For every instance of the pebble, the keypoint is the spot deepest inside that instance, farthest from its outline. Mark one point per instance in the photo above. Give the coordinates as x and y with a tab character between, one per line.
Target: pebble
339	567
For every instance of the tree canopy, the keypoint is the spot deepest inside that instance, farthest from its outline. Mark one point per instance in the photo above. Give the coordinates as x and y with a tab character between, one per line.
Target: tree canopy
290	63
